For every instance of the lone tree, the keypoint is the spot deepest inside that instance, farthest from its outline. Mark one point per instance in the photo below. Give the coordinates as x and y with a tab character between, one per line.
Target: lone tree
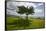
27	11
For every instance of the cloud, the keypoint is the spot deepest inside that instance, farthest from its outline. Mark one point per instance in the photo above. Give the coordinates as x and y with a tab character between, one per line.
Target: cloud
28	0
25	4
38	11
12	7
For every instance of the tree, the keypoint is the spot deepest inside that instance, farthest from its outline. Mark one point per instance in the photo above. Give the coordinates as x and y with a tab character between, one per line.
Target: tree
27	11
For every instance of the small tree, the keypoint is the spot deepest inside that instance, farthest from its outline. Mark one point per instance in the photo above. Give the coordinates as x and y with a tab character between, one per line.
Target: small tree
27	11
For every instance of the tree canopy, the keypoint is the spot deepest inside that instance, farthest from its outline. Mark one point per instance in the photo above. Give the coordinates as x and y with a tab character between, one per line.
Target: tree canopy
26	10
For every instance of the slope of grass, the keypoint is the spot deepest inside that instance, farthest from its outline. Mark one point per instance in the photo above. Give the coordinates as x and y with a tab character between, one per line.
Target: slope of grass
36	23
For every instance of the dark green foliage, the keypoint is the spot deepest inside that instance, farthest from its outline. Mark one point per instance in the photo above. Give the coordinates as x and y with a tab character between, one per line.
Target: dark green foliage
25	10
31	10
22	9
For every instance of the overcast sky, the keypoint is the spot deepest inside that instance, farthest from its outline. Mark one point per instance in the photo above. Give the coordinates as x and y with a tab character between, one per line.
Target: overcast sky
38	8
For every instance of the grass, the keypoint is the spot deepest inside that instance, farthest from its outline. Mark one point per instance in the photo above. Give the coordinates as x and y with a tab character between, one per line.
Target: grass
36	24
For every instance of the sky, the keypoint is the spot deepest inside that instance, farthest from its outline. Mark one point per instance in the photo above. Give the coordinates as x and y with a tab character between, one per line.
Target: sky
26	0
38	8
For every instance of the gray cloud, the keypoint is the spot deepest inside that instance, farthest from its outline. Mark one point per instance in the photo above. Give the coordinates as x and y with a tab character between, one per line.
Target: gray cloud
12	7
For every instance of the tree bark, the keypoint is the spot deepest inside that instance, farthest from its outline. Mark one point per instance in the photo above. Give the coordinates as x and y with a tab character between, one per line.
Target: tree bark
26	16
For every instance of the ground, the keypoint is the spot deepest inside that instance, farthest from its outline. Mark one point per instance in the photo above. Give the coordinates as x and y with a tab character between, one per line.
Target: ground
35	24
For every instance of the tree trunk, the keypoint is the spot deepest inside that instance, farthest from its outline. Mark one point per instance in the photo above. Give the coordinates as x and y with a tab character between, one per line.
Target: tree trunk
26	16
26	21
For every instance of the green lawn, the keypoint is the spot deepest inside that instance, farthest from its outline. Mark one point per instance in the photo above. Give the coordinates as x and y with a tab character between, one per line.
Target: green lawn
36	23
